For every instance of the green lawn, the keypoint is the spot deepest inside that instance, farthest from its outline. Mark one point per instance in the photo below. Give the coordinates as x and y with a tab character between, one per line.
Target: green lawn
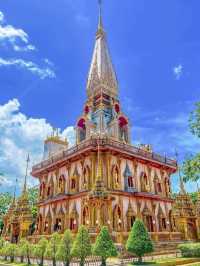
168	262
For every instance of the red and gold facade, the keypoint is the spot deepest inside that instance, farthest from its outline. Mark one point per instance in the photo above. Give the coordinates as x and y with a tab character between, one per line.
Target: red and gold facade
103	179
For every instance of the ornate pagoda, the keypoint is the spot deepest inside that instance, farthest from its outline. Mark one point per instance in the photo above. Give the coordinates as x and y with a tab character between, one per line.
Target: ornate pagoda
103	179
18	219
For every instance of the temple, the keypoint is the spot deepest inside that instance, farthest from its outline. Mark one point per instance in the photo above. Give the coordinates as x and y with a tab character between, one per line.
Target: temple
103	179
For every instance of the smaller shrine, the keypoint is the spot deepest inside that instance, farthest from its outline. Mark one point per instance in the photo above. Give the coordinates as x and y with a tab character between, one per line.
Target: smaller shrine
18	219
186	214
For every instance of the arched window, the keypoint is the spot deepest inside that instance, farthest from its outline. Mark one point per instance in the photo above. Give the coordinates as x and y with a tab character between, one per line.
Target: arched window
73	184
123	129
72	224
130	182
81	130
61	184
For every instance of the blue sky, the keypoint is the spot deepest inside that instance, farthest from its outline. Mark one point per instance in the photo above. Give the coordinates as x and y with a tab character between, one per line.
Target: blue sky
45	53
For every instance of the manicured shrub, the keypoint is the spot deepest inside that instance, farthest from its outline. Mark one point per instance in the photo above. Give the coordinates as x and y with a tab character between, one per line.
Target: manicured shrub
21	250
52	247
4	251
40	250
190	250
11	251
64	251
104	246
28	250
81	246
139	242
2	243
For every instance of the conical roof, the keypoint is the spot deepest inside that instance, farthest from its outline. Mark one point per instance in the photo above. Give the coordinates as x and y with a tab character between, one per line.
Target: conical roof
101	71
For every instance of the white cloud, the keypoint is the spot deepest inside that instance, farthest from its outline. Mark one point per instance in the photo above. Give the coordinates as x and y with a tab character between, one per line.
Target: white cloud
18	38
19	135
30	66
178	71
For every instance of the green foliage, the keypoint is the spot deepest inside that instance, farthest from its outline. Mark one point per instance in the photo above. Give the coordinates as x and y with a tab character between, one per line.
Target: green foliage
194	121
5	201
194	196
40	250
28	249
191	168
11	250
191	165
139	242
64	251
52	247
4	251
104	246
81	246
2	242
33	198
21	252
190	250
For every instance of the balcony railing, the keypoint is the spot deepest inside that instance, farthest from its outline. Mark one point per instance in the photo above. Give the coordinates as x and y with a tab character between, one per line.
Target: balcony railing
93	142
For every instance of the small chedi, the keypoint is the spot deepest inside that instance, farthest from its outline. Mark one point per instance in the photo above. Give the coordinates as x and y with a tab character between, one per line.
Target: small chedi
18	219
103	179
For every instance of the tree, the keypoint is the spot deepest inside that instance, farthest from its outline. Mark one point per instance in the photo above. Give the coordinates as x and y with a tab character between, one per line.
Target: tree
194	121
191	165
191	169
52	247
28	248
104	246
2	243
5	201
40	250
11	251
33	198
21	251
64	251
81	246
139	242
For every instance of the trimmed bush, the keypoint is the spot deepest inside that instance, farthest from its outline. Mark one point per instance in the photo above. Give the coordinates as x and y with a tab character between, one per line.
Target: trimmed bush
40	250
104	246
139	241
82	247
64	251
52	247
11	251
190	250
21	250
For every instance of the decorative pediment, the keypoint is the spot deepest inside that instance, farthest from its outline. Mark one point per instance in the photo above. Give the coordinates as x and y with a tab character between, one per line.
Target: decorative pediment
130	211
146	211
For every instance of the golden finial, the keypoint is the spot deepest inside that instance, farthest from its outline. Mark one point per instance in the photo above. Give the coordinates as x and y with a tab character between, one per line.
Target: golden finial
25	179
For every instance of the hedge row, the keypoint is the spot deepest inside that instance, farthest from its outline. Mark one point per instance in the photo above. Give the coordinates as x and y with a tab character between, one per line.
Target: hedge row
190	250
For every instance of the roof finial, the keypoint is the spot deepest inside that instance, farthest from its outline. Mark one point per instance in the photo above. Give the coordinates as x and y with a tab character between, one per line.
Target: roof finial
25	179
182	187
14	194
100	26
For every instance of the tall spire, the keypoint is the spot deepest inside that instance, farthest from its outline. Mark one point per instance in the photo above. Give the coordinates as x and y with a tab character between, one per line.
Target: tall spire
25	178
101	73
100	26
